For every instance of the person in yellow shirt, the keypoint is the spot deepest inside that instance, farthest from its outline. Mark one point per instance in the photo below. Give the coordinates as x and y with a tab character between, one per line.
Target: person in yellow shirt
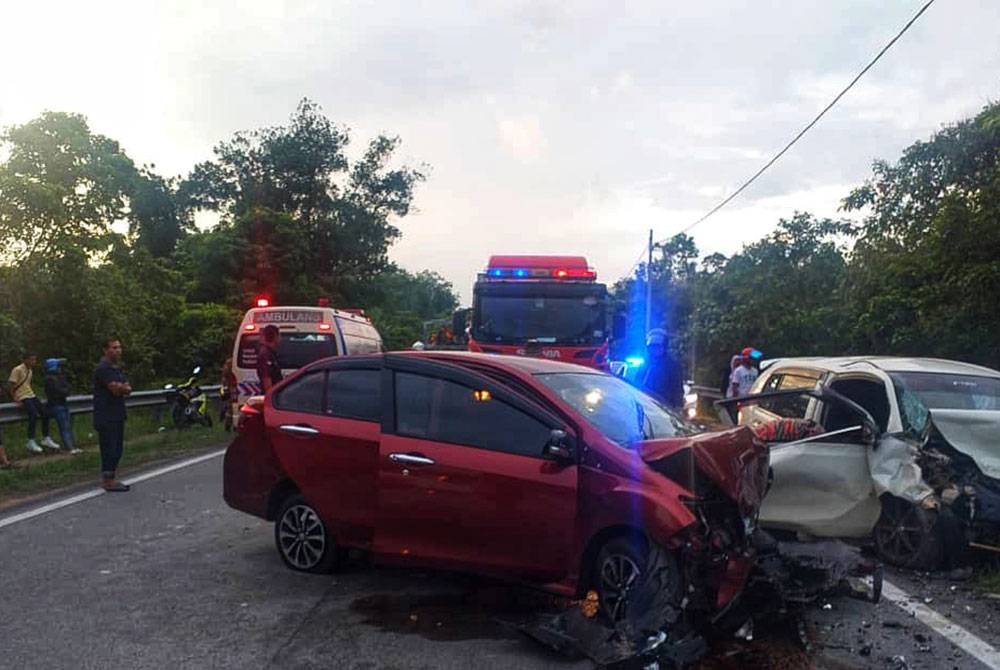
19	386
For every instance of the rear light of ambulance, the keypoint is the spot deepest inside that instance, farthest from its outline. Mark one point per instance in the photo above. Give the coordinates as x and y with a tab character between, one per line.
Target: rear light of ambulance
249	326
325	326
263	301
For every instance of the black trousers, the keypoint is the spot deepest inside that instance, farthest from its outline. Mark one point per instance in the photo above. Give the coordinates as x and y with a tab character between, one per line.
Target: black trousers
36	411
111	437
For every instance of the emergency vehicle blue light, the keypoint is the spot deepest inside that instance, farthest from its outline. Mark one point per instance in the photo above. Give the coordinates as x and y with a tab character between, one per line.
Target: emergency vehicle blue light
520	272
496	272
635	361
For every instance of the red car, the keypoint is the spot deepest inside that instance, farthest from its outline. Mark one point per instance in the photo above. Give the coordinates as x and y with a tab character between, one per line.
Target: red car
531	470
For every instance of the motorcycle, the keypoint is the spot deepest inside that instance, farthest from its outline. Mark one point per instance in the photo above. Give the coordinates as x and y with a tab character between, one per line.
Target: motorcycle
188	403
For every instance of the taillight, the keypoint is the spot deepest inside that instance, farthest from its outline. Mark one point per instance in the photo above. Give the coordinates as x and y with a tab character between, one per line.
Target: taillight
325	326
249	326
254	405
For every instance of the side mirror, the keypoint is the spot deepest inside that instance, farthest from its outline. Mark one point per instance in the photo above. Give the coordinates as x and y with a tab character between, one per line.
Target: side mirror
619	327
559	448
196	370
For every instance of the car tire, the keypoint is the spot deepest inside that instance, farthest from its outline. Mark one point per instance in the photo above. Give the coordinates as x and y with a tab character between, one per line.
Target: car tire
302	539
619	567
905	535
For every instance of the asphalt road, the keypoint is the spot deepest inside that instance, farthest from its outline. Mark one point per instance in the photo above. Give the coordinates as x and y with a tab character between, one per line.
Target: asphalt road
168	576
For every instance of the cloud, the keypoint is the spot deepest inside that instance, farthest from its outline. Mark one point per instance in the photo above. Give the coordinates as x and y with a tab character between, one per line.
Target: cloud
550	125
522	136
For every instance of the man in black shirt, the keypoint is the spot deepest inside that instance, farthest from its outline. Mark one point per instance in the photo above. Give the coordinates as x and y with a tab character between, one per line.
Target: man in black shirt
663	378
110	389
268	368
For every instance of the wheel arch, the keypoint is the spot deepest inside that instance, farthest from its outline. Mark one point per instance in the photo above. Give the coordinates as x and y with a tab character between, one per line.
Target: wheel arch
281	491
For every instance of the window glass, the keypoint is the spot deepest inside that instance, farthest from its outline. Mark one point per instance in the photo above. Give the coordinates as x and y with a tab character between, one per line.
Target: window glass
918	392
622	412
440	410
360	338
305	394
355	394
793	406
295	350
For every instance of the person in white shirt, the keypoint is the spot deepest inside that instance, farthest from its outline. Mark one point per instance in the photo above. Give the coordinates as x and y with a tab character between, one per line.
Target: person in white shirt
743	377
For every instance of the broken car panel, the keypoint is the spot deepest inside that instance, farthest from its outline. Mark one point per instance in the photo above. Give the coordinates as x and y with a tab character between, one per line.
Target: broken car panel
918	469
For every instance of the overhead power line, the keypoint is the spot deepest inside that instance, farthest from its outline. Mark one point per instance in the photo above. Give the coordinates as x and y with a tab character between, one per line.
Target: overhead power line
812	123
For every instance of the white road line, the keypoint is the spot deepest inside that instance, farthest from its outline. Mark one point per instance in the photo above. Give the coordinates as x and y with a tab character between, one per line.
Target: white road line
93	493
949	630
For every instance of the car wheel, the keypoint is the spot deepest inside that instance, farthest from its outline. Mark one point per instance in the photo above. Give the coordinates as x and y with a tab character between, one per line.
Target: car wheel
619	569
302	538
905	536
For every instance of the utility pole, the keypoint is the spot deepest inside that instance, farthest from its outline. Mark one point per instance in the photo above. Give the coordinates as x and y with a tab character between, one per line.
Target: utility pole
649	286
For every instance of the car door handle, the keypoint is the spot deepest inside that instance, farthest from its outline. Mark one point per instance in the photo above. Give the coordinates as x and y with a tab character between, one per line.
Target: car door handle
298	429
411	459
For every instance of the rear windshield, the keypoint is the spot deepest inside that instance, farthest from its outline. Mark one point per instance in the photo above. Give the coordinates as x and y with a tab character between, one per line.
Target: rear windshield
295	351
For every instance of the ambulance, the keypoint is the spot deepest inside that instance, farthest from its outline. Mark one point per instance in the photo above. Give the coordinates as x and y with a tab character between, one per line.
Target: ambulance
307	334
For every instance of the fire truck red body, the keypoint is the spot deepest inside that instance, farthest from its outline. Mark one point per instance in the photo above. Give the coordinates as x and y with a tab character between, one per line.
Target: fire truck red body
541	306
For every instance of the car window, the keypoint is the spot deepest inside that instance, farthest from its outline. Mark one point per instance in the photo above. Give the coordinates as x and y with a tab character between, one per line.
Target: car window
620	411
360	338
304	394
354	394
444	411
789	407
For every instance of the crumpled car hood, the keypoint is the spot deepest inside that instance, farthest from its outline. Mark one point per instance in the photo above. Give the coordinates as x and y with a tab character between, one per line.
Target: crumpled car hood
734	460
975	433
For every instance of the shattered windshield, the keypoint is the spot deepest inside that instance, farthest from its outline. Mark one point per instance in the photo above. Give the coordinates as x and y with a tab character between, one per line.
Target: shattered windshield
623	413
919	392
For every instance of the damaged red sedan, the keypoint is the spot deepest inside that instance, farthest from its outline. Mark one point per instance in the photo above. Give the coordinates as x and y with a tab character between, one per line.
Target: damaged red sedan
530	470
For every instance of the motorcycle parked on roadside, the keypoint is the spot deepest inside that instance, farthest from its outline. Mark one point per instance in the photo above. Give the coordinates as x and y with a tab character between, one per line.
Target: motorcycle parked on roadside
188	403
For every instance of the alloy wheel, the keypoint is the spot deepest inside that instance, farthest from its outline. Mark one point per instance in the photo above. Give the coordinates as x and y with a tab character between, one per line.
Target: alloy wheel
901	534
301	537
619	574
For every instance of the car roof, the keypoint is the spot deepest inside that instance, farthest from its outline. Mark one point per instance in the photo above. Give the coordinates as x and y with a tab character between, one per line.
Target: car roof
842	364
524	364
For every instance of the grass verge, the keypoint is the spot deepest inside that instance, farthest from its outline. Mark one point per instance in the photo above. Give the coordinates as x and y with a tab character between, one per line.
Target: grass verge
144	443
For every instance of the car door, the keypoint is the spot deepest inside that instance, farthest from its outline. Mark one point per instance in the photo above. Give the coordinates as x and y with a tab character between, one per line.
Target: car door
823	485
325	427
463	482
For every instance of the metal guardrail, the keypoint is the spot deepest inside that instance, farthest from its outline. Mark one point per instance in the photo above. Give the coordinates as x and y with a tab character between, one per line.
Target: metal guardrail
11	412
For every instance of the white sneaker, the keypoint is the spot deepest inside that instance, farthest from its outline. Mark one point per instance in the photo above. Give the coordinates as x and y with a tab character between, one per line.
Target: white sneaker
49	443
33	447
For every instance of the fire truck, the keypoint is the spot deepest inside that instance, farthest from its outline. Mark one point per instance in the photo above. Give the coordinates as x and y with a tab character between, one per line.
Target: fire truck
542	306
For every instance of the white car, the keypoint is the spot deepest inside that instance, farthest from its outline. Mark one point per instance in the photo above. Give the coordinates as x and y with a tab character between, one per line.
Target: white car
903	450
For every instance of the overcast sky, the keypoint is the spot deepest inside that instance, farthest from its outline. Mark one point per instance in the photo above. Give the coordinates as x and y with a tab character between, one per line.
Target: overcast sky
548	126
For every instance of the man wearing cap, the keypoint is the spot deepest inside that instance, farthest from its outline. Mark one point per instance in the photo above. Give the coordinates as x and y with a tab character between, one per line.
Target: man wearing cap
743	377
662	378
56	393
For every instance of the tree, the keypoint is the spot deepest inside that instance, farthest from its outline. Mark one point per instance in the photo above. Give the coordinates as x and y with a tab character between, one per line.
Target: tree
61	187
924	274
291	195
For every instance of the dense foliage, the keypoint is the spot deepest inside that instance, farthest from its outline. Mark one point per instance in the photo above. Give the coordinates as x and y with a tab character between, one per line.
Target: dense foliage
918	276
92	245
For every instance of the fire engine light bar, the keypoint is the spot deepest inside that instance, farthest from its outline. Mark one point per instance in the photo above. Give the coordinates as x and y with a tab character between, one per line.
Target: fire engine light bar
573	273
